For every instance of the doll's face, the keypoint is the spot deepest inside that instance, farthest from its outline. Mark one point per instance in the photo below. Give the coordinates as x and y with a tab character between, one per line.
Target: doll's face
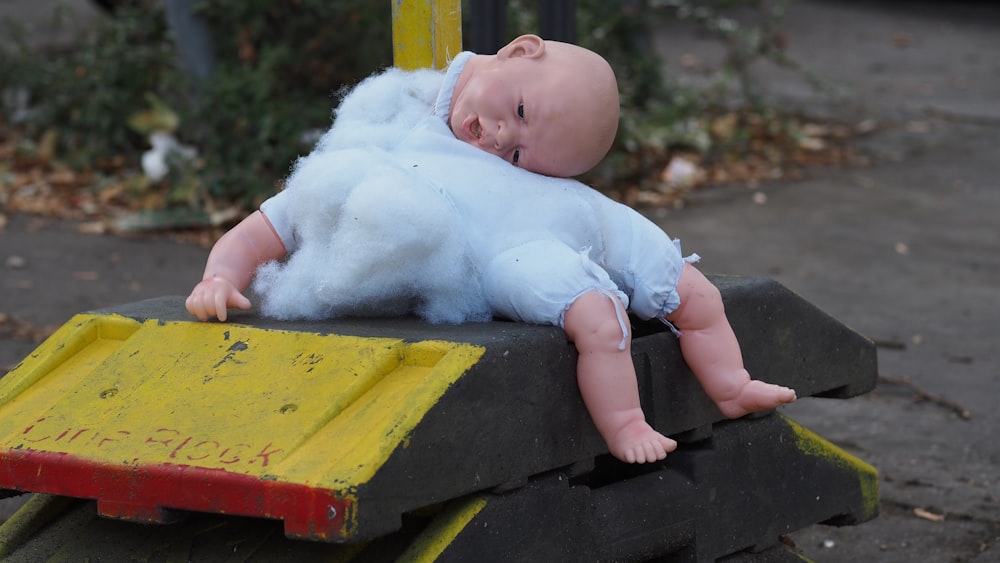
544	106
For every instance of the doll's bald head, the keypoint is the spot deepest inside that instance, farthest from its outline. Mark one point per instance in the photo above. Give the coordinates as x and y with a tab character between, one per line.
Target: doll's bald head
545	106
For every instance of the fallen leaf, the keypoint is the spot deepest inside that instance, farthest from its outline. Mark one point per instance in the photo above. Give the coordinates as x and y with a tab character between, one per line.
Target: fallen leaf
724	127
927	515
47	146
86	275
92	228
812	144
62	178
815	130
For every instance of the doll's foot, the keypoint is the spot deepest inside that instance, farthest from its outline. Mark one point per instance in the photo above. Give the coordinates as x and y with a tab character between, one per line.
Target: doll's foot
756	396
637	442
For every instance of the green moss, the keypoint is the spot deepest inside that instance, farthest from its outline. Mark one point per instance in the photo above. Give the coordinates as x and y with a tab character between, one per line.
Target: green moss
812	444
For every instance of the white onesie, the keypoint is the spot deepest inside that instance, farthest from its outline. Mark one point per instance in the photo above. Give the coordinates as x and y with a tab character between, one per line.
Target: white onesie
392	214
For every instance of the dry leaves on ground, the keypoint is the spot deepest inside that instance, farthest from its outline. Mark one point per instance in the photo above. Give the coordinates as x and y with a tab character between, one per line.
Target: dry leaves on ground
749	149
15	328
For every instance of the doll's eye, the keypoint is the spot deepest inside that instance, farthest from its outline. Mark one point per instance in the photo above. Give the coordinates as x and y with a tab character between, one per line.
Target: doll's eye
517	156
520	110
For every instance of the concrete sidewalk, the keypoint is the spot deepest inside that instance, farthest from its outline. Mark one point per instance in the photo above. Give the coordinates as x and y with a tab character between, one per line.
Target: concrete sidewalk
906	251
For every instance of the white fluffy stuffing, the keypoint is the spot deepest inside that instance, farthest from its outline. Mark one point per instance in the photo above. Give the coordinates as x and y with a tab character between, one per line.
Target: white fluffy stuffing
381	108
373	238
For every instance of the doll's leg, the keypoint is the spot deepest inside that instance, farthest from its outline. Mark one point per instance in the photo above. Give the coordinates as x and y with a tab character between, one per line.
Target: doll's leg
712	352
607	379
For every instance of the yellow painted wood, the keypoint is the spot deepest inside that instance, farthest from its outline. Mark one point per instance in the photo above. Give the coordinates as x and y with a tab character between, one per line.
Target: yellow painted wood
442	531
35	514
314	409
426	33
83	340
360	440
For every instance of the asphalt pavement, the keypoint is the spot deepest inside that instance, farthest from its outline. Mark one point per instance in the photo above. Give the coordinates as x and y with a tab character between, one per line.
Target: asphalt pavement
905	250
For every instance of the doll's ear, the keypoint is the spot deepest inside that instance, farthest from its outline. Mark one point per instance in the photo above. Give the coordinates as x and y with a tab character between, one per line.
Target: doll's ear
530	46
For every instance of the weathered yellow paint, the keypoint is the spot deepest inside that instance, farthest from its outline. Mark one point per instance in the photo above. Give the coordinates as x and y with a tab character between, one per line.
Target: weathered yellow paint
443	530
426	33
360	440
84	340
810	443
315	409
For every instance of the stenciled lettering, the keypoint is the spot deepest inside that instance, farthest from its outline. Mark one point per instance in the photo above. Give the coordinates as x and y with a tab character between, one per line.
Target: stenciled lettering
175	444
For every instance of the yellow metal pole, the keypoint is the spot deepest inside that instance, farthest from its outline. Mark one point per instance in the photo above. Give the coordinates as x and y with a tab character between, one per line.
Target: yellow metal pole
426	33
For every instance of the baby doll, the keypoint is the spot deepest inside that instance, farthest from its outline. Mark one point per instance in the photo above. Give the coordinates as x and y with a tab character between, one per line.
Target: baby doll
404	206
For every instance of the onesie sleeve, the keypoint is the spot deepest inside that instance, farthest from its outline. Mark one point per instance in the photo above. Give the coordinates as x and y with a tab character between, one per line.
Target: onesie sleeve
275	209
536	282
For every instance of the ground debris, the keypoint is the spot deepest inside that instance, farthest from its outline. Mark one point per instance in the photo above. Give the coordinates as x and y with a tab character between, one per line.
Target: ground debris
744	147
101	196
16	328
113	196
921	395
928	515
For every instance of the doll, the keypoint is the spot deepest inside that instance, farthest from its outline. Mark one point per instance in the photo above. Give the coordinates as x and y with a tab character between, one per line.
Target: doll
448	196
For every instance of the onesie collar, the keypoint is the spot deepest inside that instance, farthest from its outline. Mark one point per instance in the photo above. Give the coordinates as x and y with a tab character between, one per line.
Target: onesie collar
442	106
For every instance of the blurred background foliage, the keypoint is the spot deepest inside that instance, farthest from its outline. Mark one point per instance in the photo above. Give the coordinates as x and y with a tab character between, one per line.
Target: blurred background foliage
278	67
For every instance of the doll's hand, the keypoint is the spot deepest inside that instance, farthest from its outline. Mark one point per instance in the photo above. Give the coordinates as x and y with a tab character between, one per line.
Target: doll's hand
213	296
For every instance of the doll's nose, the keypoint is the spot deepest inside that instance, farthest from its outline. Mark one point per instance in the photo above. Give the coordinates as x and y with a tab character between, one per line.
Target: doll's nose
502	138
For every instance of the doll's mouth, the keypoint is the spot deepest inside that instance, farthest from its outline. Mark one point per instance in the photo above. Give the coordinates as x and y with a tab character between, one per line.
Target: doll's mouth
476	129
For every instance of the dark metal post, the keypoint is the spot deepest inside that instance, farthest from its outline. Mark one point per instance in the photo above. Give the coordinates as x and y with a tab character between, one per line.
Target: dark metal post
557	20
488	26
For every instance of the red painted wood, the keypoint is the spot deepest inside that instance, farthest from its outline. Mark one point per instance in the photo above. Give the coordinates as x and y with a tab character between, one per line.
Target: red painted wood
147	493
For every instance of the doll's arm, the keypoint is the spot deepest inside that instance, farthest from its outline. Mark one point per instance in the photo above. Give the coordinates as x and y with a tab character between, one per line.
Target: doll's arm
231	266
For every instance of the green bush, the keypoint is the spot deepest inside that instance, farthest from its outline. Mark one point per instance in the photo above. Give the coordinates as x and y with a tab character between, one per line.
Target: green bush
280	65
278	68
86	94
